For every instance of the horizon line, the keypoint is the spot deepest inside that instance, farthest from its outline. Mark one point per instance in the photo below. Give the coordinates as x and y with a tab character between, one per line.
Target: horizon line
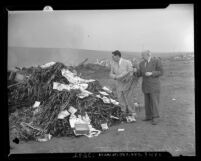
100	50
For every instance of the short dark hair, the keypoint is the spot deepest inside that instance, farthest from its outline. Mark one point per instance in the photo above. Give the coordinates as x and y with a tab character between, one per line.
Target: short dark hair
116	52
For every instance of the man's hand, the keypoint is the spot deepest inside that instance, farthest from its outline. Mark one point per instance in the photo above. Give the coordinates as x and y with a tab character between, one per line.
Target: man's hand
148	73
134	70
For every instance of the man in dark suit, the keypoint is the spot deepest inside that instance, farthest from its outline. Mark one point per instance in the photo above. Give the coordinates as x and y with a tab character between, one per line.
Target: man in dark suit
150	69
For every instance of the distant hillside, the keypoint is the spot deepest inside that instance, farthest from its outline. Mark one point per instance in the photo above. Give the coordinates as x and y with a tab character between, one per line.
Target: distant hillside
26	57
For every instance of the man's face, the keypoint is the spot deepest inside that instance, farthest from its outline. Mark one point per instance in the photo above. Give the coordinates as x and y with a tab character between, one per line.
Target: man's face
115	58
145	56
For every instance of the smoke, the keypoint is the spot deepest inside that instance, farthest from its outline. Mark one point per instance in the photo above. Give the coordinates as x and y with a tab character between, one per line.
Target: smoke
43	30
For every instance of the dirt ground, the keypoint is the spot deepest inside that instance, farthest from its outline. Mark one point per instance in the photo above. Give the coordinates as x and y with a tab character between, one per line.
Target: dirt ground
175	132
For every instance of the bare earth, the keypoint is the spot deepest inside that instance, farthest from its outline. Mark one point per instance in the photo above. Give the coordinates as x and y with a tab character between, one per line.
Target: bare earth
175	132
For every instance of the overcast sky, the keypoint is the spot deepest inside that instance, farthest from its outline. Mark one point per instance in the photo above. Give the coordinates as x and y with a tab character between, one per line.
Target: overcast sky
160	30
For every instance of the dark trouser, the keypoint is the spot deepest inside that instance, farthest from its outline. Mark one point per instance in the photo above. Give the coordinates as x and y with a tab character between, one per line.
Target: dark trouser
151	105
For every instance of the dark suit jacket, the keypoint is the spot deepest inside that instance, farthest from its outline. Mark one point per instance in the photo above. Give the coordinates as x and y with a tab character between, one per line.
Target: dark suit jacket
151	84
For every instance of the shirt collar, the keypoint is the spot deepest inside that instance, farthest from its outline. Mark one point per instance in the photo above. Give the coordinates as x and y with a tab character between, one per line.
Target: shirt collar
149	59
120	60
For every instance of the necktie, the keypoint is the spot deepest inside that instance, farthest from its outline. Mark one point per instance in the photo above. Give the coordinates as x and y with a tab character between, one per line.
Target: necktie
145	64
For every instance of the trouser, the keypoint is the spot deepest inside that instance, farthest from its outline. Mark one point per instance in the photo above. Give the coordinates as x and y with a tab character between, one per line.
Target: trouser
151	105
126	103
127	96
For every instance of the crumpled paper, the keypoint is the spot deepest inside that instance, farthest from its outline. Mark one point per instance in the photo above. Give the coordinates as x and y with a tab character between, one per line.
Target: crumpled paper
98	96
103	93
75	83
72	78
107	89
104	126
36	104
37	110
89	80
72	110
114	117
106	100
83	95
92	132
85	120
47	65
130	119
36	107
114	101
63	114
60	86
74	119
47	137
82	87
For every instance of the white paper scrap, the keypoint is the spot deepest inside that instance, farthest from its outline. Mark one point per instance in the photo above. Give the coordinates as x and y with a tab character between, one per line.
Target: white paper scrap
104	126
63	114
86	118
107	89
130	119
106	100
36	104
83	95
103	93
93	132
98	96
83	86
114	117
114	101
91	80
72	121
72	110
60	86
47	65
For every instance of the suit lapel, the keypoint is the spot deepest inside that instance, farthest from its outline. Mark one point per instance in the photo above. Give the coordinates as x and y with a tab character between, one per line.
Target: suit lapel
149	64
145	66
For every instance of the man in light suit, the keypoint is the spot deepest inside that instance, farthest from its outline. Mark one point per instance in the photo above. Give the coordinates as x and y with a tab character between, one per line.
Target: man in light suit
122	73
150	69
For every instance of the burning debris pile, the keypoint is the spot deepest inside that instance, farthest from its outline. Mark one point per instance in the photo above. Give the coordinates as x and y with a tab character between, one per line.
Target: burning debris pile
53	101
